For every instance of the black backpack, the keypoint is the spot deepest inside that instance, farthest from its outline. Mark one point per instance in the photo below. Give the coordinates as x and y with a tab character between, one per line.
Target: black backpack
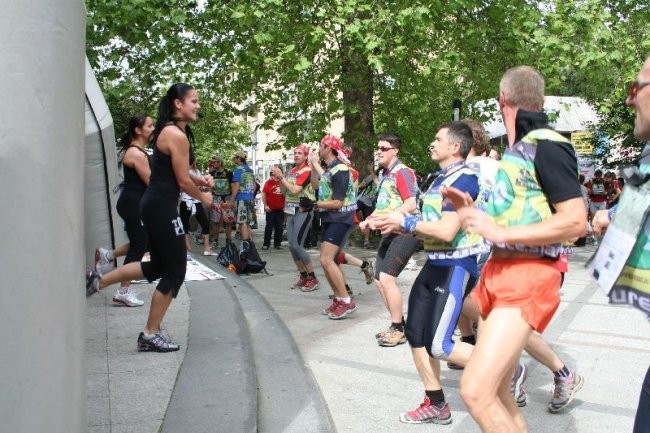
250	259
229	255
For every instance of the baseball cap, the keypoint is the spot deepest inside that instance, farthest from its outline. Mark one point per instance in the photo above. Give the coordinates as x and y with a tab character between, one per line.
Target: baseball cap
241	154
217	157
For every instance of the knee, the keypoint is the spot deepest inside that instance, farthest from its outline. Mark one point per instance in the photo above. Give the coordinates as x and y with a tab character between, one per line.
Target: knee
326	261
472	393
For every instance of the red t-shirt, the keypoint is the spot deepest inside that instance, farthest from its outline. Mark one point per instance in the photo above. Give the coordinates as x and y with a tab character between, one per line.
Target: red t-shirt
274	195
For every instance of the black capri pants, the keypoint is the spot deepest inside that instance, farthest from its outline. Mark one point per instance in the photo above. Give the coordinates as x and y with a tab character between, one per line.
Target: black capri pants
128	207
166	242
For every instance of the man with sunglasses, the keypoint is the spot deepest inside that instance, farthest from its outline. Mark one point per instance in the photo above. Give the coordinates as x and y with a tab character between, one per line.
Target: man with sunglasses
396	192
536	204
629	288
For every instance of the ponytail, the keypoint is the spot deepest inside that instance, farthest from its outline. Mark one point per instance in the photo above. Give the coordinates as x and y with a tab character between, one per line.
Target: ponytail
128	137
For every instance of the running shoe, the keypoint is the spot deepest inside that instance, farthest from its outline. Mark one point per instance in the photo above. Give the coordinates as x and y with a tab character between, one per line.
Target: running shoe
342	309
310	284
368	272
427	413
392	338
103	260
92	282
157	343
565	388
331	307
517	384
209	253
128	298
301	282
380	334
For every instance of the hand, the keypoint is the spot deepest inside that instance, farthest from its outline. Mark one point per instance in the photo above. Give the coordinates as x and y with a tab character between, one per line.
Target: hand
267	208
363	225
205	180
390	223
457	198
314	158
600	222
476	221
276	172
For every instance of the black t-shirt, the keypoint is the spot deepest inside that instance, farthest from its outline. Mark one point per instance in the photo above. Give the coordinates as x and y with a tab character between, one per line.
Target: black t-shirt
556	167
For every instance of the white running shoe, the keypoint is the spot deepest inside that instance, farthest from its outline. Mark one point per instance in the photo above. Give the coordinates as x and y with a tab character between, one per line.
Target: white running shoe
103	260
129	299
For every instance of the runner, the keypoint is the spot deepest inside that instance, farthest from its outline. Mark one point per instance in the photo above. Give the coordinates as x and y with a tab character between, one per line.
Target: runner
337	204
170	172
538	172
396	192
437	294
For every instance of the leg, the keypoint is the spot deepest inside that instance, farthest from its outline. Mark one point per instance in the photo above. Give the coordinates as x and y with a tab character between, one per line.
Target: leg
278	218
642	420
128	272
159	304
332	272
485	385
267	230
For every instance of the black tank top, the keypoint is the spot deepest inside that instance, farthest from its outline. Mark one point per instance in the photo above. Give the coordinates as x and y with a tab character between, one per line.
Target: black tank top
132	181
163	180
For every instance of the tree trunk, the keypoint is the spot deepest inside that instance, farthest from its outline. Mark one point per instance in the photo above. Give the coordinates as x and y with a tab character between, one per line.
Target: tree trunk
358	92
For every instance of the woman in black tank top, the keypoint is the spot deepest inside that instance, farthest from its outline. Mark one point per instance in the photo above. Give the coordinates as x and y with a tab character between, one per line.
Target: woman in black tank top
172	140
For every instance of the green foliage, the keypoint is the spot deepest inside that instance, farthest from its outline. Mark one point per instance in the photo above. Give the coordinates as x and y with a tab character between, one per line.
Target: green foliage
384	66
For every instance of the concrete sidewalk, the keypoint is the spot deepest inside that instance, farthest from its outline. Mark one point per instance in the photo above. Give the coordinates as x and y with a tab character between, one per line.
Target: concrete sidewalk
367	386
364	386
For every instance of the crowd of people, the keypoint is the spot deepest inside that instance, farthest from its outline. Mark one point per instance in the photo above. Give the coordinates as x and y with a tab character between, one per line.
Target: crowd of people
494	228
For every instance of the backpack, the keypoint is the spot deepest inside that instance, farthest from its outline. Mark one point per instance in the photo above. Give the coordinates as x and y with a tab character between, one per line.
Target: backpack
228	257
250	259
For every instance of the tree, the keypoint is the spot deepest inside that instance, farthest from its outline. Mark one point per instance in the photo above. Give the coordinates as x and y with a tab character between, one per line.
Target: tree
383	66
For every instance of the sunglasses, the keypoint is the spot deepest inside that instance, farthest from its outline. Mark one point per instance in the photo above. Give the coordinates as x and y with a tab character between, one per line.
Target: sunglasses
384	148
635	86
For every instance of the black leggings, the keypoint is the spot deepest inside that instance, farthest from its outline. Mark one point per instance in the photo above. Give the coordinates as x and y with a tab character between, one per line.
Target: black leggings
200	215
435	303
166	241
128	207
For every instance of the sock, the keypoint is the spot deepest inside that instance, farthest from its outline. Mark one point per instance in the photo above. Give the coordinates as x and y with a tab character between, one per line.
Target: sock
123	290
398	326
349	290
345	300
562	372
311	274
304	274
471	339
436	397
365	264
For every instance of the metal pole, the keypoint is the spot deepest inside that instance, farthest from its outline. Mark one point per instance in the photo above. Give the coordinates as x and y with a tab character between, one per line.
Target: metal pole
456	105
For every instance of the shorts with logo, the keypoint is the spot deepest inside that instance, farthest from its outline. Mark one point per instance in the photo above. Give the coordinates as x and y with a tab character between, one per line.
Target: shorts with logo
244	210
394	253
532	285
218	212
335	233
